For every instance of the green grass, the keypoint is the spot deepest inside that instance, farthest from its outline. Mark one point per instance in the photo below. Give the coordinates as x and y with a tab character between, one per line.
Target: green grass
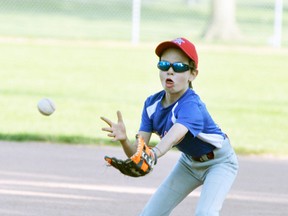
84	82
245	91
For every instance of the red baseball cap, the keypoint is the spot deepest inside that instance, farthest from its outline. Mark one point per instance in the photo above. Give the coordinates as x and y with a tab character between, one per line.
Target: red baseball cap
182	43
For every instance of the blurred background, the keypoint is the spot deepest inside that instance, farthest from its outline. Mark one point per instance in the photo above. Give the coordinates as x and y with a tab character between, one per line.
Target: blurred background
95	57
257	22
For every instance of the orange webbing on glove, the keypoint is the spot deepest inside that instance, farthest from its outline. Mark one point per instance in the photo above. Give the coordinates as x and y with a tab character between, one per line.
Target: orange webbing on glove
139	164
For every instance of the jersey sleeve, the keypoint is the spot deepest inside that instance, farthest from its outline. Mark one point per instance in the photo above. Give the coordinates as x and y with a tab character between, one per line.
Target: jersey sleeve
190	115
146	122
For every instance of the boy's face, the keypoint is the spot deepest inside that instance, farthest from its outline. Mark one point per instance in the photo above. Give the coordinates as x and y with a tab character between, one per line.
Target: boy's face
171	81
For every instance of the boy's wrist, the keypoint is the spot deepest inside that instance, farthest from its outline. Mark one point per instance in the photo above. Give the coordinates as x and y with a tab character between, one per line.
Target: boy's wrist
154	155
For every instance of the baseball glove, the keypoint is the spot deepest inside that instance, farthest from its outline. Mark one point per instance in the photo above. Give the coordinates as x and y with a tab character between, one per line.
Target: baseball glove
139	164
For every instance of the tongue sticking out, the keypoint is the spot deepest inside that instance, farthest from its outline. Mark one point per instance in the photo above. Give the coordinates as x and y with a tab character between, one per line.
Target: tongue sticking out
169	83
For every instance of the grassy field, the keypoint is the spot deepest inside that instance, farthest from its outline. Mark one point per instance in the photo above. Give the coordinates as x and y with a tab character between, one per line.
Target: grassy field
244	89
79	55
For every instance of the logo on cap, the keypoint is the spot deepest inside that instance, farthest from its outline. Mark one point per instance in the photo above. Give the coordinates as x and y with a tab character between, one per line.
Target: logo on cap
179	41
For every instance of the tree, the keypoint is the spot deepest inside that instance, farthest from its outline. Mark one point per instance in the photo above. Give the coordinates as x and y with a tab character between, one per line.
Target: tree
222	24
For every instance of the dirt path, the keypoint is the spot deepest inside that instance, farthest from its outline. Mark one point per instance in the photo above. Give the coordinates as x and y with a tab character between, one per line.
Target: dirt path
50	179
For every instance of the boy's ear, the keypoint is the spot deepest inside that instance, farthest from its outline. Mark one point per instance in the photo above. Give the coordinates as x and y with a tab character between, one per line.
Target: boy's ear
195	72
193	75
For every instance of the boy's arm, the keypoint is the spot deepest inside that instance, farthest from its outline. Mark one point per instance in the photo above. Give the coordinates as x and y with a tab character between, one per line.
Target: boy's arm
172	138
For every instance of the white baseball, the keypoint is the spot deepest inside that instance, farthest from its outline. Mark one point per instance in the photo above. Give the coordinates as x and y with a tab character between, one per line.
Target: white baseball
46	106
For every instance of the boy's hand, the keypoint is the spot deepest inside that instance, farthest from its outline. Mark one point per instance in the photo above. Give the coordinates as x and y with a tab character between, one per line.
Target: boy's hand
116	130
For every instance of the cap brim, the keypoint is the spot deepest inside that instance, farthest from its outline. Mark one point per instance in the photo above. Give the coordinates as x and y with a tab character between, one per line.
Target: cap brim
165	45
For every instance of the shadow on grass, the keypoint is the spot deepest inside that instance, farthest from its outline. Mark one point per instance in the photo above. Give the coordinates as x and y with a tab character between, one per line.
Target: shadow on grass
246	151
65	139
77	139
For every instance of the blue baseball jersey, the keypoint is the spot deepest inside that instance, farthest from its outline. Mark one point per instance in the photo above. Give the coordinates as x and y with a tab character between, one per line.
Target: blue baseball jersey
203	134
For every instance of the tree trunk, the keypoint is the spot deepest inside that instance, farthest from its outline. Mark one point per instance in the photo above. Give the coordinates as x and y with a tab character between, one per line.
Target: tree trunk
223	24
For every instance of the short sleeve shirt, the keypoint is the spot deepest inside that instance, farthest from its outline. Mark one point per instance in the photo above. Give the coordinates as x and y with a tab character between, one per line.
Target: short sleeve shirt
203	135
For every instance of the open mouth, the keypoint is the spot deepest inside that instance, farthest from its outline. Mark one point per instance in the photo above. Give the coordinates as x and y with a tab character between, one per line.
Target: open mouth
169	83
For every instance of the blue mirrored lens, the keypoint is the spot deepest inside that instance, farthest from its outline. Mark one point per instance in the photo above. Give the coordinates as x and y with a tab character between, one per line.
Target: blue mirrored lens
180	67
177	66
164	65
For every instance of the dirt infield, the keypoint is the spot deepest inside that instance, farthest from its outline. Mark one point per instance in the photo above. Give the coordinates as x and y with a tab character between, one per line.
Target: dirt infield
50	179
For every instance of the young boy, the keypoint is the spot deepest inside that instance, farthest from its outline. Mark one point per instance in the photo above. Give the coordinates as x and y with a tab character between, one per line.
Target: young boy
182	120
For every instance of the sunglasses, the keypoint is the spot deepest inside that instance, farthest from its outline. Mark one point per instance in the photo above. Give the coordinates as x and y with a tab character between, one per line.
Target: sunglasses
178	67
